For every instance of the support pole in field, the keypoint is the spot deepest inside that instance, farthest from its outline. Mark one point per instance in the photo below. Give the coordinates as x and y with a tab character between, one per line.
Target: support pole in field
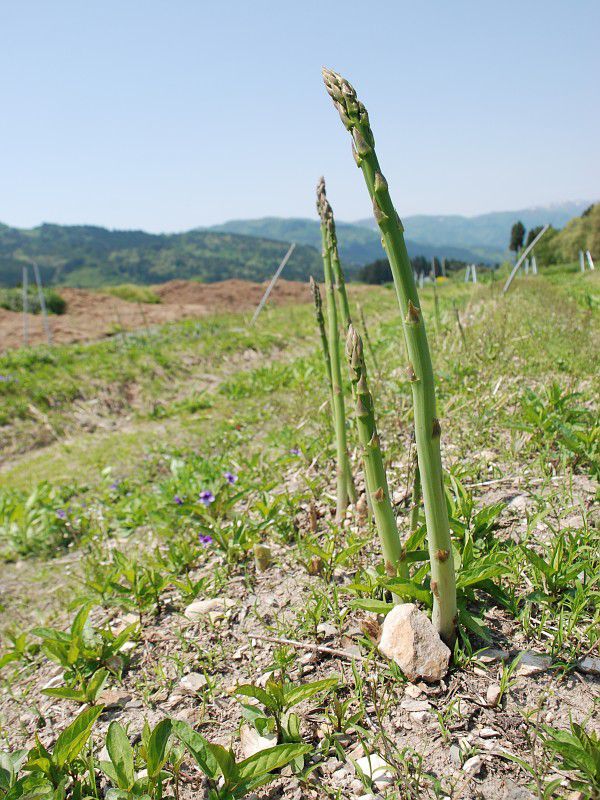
526	267
588	255
421	279
25	308
467	273
42	300
444	267
524	254
533	265
265	296
474	273
581	261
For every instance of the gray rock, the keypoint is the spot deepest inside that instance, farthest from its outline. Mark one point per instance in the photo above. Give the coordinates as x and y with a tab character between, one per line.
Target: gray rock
193	683
211	609
590	665
376	768
473	765
532	664
409	638
492	696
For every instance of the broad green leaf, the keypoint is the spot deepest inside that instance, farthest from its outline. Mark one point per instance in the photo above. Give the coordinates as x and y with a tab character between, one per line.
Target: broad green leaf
157	752
66	694
96	684
249	690
369	604
80	619
198	747
226	761
404	588
71	741
8	657
268	760
120	752
297	694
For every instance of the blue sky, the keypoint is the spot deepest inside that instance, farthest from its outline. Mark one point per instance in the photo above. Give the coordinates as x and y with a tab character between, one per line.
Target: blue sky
174	114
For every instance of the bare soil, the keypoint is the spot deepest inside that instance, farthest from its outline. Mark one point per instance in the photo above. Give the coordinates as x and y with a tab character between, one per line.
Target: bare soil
93	315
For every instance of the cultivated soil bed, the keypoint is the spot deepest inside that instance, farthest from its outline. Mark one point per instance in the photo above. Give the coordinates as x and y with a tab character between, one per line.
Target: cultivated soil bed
94	315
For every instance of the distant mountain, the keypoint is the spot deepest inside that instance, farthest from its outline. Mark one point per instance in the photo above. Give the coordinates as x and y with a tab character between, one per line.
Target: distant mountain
358	244
88	256
488	231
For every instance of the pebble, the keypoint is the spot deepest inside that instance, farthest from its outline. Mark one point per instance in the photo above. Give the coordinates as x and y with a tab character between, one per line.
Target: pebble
193	682
590	665
488	733
409	638
422	717
491	654
492	696
213	608
252	742
413	690
473	765
414	705
377	769
532	664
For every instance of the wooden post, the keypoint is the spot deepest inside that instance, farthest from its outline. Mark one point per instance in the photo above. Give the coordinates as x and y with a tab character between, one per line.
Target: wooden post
273	282
524	254
25	308
589	259
42	300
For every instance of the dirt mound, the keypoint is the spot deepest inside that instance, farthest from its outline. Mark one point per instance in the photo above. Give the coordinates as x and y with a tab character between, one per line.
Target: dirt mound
94	315
230	295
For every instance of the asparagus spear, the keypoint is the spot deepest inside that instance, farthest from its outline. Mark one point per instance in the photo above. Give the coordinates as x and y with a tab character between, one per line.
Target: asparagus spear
316	293
343	472
338	274
375	477
420	370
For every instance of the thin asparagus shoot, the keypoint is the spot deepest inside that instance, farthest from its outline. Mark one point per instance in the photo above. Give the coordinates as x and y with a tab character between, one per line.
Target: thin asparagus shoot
318	301
375	476
420	370
372	355
338	273
343	473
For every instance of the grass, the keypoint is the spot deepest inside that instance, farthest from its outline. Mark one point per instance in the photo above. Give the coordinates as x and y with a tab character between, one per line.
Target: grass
152	464
133	293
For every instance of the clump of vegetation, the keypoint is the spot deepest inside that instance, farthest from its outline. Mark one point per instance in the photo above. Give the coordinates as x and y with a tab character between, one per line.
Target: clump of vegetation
12	300
133	293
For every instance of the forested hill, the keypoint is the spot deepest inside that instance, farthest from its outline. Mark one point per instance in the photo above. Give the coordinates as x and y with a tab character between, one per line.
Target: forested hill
89	256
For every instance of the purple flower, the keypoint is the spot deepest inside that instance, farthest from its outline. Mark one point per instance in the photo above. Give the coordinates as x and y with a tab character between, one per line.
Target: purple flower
177	500
61	513
230	477
295	451
207	497
205	540
114	486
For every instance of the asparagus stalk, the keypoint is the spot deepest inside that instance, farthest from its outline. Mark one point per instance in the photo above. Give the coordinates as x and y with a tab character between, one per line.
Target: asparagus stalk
375	477
316	293
420	370
343	473
338	274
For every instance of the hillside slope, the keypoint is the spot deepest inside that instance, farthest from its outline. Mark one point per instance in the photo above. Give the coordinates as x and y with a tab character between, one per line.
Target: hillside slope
358	244
581	233
89	256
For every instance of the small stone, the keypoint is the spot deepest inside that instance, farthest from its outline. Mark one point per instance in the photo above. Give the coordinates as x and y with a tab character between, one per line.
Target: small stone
327	630
414	705
473	765
193	682
519	503
377	769
590	665
252	742
413	690
409	638
421	717
532	664
214	608
455	753
488	733
112	698
493	694
491	654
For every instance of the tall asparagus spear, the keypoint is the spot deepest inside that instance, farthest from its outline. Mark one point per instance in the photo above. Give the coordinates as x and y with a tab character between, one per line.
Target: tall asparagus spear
420	370
338	273
375	477
343	473
316	293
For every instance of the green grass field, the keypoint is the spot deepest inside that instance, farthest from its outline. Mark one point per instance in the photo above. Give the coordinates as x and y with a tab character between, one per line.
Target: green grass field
140	472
